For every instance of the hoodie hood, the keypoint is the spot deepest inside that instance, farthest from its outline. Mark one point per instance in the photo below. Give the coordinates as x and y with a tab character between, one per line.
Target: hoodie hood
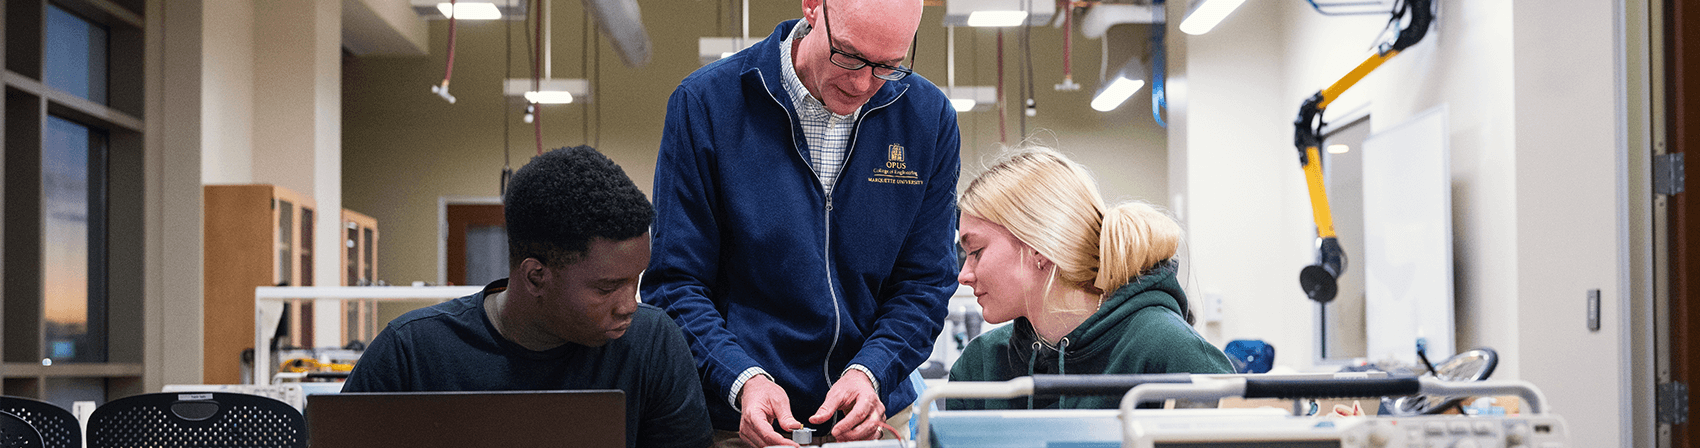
1140	328
1157	290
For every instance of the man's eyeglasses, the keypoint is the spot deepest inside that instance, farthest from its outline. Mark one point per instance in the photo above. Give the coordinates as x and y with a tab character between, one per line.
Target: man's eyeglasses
852	62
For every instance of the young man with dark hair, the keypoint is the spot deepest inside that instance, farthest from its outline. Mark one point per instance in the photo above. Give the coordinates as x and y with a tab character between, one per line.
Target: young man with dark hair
567	318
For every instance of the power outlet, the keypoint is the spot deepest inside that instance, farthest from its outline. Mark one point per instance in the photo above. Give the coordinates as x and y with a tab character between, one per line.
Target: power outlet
1212	307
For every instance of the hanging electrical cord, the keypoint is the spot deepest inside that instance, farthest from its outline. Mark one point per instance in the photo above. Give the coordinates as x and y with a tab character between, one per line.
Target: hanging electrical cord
1159	61
584	69
1003	111
537	76
596	83
1025	66
507	73
449	70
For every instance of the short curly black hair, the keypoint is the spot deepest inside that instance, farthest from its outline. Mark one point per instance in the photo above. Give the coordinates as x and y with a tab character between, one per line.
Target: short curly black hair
567	197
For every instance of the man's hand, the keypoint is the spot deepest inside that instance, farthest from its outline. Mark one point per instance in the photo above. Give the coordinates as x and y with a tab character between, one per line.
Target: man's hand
763	402
853	393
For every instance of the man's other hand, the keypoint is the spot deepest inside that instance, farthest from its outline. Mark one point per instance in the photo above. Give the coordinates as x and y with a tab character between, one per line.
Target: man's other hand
763	403
863	413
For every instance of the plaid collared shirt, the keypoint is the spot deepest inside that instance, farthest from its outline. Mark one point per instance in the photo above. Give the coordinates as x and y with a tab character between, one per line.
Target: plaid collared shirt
827	134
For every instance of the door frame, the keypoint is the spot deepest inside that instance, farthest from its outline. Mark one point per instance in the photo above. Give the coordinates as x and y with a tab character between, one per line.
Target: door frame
443	203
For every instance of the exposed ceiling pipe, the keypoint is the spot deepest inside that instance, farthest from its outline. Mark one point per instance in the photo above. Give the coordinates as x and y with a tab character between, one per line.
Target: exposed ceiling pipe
1068	84
1101	17
622	22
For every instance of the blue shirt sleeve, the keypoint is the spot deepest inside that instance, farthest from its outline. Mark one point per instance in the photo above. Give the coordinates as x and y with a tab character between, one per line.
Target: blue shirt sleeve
685	244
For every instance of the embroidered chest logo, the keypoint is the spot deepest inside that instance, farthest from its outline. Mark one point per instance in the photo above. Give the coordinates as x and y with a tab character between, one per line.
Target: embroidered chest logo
896	169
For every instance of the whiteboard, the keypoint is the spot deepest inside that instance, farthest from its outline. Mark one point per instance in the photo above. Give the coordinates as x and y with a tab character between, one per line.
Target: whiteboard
1408	286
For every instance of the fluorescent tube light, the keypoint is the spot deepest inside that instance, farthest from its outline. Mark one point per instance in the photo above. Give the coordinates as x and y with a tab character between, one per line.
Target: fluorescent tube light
996	18
972	98
1205	14
1128	80
549	97
550	91
470	11
710	49
1339	149
1116	93
999	12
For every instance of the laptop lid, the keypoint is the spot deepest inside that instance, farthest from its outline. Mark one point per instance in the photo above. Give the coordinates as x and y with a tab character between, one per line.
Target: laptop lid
592	418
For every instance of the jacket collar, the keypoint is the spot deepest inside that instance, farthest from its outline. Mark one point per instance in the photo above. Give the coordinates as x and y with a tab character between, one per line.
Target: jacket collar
762	71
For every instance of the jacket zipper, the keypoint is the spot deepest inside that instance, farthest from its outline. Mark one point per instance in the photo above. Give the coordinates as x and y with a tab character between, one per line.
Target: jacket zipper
826	240
837	316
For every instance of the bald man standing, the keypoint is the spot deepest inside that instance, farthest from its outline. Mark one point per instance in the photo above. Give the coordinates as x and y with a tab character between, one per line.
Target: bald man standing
805	204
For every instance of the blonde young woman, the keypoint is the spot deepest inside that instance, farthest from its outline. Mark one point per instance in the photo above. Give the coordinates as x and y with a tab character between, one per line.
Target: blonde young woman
1091	288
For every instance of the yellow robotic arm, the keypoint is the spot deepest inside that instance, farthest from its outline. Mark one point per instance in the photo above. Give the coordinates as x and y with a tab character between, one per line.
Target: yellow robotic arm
1320	280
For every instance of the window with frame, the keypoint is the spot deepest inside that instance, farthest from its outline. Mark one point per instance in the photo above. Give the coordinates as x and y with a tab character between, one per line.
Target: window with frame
73	184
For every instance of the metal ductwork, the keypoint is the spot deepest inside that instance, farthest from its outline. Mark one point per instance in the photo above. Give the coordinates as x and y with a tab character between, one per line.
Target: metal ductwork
623	24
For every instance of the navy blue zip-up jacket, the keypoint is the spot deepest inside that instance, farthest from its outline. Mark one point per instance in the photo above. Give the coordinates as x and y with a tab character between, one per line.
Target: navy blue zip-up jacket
760	268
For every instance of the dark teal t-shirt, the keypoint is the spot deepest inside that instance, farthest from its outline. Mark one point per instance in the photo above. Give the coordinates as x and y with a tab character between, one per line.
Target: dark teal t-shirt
452	346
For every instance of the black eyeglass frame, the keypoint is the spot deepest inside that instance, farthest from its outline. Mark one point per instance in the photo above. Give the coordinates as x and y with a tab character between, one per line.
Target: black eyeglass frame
896	73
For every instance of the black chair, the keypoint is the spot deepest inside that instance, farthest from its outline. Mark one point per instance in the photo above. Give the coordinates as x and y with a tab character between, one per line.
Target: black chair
203	419
57	427
17	433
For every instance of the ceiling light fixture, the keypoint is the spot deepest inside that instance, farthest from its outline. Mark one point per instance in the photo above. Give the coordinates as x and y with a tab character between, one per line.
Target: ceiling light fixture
1205	14
1127	81
710	49
467	9
998	13
549	91
470	11
972	98
996	18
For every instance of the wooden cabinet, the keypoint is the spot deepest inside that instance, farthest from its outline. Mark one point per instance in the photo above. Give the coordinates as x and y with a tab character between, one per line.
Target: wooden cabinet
255	235
359	268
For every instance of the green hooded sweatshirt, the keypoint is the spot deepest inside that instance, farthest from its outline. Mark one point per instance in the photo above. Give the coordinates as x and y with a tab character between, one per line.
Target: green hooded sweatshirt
1138	329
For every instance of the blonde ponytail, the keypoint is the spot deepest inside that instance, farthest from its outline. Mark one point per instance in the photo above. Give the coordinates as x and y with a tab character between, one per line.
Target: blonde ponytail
1135	238
1052	204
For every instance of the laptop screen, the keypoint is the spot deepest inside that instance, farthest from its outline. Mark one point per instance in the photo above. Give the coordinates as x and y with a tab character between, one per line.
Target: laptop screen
594	418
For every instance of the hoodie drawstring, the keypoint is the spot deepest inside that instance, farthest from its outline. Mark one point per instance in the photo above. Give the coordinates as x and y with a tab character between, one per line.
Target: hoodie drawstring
1062	354
1032	363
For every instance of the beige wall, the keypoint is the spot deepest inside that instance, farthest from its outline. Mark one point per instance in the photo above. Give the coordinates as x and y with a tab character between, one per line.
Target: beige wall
1571	212
405	148
227	52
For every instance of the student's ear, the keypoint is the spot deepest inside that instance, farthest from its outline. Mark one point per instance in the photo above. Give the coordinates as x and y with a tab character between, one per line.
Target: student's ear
534	273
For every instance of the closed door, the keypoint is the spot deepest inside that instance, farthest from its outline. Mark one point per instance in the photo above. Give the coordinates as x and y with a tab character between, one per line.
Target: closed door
477	244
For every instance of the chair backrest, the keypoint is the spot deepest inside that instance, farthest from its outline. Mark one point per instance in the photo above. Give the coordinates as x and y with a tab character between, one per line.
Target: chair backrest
17	433
58	427
207	419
